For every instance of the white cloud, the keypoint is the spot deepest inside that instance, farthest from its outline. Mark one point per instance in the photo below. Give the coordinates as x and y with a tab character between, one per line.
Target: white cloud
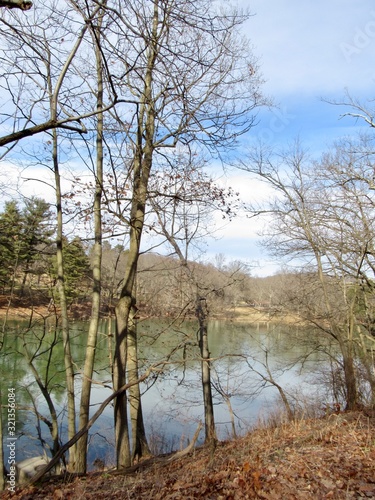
238	239
38	181
303	45
26	182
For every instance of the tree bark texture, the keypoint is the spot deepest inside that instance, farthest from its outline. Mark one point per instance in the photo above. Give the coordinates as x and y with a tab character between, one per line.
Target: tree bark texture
68	360
140	446
202	315
84	413
16	4
141	173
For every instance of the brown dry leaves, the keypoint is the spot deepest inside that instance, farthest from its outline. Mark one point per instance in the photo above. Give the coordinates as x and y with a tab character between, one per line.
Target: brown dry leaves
332	458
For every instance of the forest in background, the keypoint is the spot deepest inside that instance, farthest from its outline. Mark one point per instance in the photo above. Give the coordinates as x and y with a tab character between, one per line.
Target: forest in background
28	273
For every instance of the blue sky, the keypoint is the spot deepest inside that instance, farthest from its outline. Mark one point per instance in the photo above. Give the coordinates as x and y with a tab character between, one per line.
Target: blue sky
308	50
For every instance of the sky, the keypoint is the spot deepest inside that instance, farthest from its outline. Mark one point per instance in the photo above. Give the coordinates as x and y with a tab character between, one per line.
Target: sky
309	51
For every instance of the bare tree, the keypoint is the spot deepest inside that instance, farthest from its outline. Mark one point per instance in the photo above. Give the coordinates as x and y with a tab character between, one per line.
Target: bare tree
29	44
188	77
322	216
178	72
35	85
356	108
183	201
84	414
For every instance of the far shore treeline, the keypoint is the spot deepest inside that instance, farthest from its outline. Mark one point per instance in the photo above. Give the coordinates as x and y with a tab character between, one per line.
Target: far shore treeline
28	273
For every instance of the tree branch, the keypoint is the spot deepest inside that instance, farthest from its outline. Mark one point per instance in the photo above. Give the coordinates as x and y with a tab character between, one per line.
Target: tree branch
90	423
16	4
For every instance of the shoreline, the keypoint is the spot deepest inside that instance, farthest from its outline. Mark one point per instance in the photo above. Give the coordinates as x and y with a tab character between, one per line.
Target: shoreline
240	314
21	309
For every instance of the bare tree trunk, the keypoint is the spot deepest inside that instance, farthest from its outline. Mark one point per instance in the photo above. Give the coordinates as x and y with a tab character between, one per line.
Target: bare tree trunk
140	446
344	340
125	332
141	173
369	363
53	425
123	457
201	312
68	360
110	306
81	459
231	414
350	376
282	393
202	315
351	384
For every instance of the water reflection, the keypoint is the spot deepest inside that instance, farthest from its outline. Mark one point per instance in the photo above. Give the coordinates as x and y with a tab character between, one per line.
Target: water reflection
172	403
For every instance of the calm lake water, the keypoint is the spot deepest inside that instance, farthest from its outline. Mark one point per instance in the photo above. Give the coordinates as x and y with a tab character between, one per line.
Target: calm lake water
172	403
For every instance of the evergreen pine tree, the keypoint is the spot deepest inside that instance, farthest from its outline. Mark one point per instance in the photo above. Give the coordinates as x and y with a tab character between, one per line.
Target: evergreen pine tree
10	243
36	234
76	268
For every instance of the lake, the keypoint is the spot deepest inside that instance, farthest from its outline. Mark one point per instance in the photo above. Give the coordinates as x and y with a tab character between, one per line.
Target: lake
245	357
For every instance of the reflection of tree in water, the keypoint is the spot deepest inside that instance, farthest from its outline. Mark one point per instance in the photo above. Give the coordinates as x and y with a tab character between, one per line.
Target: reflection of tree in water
172	401
13	369
32	361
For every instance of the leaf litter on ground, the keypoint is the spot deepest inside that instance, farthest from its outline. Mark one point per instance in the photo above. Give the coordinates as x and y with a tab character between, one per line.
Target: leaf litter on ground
327	458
